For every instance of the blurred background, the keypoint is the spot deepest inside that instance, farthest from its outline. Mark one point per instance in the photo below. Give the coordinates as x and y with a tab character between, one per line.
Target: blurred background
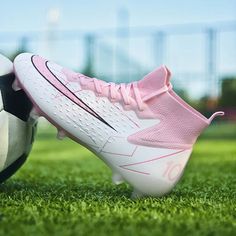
121	41
61	190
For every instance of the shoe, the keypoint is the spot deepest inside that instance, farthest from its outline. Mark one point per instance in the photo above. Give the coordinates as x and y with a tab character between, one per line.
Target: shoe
16	132
142	130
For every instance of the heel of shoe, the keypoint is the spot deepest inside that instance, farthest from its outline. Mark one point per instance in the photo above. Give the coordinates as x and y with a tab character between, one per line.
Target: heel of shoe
156	176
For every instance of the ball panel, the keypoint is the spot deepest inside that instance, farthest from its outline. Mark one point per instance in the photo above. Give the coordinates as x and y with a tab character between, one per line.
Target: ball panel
14	102
17	161
3	138
1	103
18	133
10	170
6	65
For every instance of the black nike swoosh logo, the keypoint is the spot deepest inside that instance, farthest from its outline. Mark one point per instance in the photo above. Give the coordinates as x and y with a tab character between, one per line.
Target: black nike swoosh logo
41	66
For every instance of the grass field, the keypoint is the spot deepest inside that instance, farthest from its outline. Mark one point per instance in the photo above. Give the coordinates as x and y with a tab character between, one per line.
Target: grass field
64	190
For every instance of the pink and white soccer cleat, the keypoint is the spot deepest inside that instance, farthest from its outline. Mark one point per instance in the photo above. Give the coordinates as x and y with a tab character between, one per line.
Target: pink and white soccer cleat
142	130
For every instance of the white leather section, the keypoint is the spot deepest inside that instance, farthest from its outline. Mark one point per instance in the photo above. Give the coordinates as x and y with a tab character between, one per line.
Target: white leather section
151	171
111	114
125	122
157	177
139	153
118	146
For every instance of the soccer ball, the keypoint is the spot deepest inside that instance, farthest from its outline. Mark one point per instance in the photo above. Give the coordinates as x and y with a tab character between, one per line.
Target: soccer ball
17	131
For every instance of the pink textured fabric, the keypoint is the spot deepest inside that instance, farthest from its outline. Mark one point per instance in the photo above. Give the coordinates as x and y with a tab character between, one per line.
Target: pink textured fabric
154	81
179	127
180	124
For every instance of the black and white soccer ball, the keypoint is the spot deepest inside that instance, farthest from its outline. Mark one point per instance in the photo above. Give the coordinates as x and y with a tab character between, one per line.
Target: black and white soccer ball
16	130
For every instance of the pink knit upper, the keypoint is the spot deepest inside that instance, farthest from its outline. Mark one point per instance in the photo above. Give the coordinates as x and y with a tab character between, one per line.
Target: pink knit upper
180	124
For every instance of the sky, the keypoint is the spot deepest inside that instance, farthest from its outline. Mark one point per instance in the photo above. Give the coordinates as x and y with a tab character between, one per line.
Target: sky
91	15
97	15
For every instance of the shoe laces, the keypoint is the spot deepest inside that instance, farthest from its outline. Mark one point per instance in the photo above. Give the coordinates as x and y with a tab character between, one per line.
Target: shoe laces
124	89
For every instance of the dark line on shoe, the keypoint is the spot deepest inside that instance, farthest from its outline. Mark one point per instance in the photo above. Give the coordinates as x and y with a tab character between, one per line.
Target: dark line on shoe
97	115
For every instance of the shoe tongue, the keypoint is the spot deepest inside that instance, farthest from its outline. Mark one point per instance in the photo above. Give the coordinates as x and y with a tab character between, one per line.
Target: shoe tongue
154	81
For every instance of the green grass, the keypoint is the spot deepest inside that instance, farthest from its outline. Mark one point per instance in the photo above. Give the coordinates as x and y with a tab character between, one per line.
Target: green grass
63	189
